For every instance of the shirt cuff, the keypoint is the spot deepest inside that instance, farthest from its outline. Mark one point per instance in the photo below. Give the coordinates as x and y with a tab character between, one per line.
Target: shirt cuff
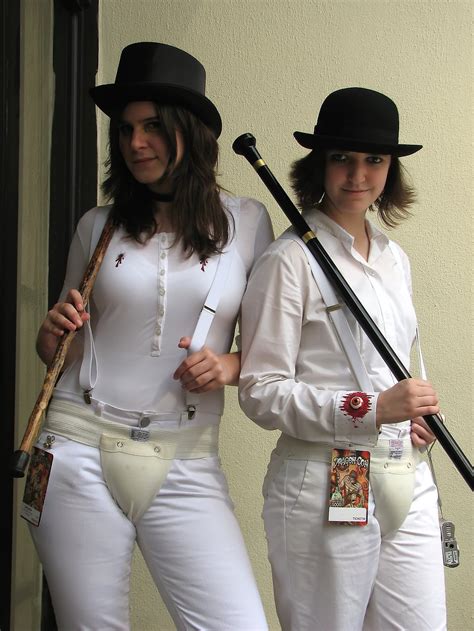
354	417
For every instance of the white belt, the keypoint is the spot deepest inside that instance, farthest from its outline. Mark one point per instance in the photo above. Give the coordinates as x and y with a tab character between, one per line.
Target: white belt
295	449
131	417
82	425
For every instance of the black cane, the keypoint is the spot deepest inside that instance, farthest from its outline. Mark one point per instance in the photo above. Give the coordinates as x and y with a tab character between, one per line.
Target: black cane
245	145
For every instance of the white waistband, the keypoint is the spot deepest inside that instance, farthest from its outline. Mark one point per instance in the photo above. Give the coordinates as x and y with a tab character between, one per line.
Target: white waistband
133	417
83	425
295	449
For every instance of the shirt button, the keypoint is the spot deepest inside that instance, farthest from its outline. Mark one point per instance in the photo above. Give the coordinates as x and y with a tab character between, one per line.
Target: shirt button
158	330
162	311
163	255
162	292
162	272
144	421
163	239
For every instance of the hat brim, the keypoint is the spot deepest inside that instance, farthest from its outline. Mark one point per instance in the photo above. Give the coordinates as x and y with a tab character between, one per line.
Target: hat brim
111	98
313	141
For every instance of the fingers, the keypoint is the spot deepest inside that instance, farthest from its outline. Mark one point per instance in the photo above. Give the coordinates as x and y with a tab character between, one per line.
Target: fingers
407	399
200	372
66	316
421	435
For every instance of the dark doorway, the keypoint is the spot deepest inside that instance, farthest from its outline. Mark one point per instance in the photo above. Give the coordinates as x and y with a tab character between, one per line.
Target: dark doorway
9	151
73	187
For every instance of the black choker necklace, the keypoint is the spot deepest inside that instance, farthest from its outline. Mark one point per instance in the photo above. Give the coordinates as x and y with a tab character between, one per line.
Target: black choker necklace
162	197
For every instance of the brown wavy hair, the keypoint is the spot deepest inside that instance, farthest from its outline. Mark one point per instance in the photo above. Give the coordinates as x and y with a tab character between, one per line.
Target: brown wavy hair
198	217
392	207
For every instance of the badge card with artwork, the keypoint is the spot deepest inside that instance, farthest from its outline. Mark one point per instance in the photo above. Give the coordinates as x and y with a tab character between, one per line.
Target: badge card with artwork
349	488
36	485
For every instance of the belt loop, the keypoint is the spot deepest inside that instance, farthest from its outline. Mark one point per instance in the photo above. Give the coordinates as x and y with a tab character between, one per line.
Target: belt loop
99	408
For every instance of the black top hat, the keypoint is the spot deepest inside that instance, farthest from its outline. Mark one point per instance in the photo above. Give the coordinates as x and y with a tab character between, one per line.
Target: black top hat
157	72
357	119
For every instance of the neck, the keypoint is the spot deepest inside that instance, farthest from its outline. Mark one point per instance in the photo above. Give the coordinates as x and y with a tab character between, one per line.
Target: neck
355	224
162	197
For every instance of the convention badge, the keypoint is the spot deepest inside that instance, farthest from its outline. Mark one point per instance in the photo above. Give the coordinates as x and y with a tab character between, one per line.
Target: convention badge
36	485
349	487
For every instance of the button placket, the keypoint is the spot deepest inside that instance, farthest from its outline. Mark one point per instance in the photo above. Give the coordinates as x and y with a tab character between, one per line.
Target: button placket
161	291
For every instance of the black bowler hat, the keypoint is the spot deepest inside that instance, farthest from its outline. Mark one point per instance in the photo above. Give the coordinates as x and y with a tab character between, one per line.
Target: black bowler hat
149	71
357	119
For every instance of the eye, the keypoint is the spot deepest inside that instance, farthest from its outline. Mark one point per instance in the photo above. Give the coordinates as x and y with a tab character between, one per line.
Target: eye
337	157
375	159
153	125
125	129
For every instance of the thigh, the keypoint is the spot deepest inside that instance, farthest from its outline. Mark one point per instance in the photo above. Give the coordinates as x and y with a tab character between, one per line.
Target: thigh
192	544
409	589
323	573
84	543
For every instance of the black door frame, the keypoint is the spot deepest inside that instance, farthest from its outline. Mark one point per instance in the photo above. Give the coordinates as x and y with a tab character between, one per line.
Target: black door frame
73	191
9	153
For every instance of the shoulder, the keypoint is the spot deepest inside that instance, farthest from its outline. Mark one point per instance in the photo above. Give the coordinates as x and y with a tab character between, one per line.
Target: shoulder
286	251
249	209
89	218
399	253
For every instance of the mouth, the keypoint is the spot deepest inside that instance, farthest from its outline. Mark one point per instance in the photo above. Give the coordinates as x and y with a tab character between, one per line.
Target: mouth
142	160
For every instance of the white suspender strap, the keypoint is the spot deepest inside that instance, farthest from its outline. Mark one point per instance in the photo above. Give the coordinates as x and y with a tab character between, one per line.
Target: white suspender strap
216	290
338	318
89	372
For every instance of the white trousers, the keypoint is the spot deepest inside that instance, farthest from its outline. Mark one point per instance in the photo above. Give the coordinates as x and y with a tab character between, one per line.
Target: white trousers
189	538
331	577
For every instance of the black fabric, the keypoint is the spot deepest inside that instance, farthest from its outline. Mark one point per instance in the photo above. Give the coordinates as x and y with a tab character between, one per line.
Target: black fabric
357	119
160	73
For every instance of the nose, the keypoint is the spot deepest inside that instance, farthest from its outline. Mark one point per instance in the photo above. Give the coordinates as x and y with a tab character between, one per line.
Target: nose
137	139
356	172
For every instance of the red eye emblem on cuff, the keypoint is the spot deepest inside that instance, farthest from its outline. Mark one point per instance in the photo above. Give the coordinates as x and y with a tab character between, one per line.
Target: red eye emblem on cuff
356	405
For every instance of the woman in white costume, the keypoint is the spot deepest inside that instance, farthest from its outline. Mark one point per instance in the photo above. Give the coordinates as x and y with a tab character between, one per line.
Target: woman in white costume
330	572
133	423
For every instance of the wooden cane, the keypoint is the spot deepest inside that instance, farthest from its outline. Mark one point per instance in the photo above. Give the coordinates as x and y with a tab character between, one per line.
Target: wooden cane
22	455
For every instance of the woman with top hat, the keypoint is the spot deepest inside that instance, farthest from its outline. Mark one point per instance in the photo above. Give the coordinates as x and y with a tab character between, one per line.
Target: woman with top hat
350	509
134	419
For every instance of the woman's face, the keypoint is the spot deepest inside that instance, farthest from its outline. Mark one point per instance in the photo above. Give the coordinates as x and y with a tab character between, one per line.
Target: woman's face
353	180
143	145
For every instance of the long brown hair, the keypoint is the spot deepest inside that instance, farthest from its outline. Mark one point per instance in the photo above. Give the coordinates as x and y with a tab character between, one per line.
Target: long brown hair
307	181
198	217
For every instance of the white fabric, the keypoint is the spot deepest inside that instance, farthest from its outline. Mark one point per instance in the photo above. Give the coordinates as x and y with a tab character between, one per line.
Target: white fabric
295	377
145	299
142	306
294	373
336	311
189	537
348	578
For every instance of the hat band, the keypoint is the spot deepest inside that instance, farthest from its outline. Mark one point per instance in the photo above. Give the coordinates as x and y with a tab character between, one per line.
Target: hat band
365	134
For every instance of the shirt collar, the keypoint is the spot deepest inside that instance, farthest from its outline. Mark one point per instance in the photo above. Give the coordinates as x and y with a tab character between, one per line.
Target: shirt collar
320	220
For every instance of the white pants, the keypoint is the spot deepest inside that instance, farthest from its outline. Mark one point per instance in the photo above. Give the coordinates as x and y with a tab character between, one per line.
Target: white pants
189	538
331	577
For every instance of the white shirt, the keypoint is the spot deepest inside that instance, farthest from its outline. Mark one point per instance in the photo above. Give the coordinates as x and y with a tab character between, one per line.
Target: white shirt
294	374
146	297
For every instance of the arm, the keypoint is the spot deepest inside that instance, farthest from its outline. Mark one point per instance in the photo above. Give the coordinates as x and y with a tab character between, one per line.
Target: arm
294	377
68	313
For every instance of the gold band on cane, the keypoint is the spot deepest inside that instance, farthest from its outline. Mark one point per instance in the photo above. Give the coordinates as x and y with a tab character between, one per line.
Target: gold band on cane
308	236
259	163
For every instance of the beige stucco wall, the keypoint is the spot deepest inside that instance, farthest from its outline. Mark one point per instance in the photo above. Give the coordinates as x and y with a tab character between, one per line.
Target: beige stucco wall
270	63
